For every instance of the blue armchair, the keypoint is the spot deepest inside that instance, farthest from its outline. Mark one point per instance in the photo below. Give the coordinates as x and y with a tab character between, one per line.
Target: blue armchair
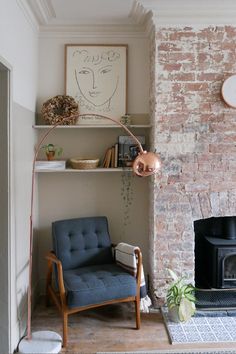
86	275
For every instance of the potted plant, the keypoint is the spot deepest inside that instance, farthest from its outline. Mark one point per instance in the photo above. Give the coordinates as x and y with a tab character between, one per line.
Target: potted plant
51	151
180	299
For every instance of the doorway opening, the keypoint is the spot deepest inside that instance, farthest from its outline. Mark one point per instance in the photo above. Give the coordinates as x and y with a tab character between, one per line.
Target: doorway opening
5	197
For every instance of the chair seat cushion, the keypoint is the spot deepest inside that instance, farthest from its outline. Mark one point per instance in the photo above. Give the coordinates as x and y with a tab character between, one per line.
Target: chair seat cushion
96	284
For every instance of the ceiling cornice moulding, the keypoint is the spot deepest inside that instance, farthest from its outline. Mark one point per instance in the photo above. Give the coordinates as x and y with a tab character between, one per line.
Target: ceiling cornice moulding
83	31
138	13
30	17
42	10
190	12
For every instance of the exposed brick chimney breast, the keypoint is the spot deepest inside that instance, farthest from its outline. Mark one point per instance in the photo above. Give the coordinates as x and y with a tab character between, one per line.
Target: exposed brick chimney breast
195	133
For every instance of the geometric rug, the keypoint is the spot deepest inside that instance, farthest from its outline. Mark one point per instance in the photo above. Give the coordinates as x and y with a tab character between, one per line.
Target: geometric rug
203	327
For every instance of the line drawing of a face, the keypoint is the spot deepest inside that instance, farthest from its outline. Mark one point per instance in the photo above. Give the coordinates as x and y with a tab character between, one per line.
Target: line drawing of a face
97	75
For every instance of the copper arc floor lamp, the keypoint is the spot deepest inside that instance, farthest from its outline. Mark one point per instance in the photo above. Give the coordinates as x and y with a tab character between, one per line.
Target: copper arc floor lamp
145	164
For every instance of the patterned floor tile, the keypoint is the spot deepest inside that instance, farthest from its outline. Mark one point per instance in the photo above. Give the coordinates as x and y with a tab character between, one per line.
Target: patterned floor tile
200	328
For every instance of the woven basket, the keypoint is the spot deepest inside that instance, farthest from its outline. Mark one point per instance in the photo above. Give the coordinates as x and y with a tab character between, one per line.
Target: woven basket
84	164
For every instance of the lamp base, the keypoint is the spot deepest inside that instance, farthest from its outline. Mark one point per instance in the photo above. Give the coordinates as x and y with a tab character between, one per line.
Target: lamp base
43	342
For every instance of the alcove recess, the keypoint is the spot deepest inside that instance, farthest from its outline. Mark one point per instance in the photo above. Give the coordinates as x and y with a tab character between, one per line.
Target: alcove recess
73	193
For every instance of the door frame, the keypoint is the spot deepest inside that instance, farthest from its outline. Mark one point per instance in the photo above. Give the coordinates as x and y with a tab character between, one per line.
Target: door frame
6	194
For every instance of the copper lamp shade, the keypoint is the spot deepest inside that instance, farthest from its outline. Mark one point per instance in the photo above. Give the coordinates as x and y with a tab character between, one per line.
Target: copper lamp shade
146	164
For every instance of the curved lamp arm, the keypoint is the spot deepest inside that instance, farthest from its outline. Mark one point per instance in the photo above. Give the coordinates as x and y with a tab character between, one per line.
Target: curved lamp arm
118	123
145	164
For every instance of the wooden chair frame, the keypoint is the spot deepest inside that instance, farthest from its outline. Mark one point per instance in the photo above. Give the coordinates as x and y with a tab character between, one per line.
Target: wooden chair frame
59	297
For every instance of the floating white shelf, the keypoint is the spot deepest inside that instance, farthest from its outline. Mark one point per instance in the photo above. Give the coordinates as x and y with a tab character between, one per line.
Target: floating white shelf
71	170
88	126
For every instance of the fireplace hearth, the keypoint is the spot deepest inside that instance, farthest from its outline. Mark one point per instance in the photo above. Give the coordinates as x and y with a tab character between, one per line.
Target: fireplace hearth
215	261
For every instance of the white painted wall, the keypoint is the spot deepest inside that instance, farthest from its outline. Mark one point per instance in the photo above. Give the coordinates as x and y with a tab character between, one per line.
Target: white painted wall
73	195
19	47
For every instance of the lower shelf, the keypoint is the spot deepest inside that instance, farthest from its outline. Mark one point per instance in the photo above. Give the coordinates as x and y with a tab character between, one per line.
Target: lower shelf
70	170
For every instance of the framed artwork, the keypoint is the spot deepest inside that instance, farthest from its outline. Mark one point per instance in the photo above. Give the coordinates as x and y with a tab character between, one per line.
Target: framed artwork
96	76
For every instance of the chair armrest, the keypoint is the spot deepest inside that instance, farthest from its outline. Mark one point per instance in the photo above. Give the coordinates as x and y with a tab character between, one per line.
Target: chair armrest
51	258
139	257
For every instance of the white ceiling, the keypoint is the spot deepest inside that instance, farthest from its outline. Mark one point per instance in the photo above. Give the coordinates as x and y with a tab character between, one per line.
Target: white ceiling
82	12
125	15
91	11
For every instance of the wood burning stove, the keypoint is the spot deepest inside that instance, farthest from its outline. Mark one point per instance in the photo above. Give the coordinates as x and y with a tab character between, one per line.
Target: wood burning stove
221	262
215	252
215	263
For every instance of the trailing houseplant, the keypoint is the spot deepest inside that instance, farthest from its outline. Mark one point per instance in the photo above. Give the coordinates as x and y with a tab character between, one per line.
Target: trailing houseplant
180	299
127	195
51	151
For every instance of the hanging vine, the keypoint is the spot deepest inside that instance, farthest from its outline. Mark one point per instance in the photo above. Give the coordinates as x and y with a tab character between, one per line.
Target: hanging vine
127	195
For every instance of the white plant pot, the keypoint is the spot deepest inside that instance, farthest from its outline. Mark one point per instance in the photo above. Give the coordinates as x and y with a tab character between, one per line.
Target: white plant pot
173	314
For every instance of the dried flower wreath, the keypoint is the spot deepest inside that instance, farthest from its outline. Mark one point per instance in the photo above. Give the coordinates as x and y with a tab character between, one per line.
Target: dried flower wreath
60	108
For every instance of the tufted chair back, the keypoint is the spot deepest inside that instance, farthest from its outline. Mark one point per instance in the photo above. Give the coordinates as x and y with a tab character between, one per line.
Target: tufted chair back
82	242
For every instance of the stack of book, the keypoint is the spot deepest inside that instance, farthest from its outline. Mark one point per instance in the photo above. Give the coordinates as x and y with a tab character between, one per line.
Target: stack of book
50	165
123	153
128	149
110	159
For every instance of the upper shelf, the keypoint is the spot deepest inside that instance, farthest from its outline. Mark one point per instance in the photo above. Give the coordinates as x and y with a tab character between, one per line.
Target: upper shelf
98	169
86	126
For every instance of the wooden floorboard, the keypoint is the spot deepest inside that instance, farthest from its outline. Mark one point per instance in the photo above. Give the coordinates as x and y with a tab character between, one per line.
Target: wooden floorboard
112	328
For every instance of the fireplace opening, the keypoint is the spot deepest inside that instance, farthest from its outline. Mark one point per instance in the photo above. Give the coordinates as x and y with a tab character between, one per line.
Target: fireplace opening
215	260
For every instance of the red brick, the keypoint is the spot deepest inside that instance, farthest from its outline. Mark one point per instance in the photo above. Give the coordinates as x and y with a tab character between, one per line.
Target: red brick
219	57
209	77
167	46
202	57
196	87
227	45
230	31
225	186
222	148
196	187
211	117
182	36
182	76
172	67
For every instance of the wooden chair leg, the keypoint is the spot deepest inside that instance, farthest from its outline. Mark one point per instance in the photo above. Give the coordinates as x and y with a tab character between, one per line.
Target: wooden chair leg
47	300
137	312
48	283
65	329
